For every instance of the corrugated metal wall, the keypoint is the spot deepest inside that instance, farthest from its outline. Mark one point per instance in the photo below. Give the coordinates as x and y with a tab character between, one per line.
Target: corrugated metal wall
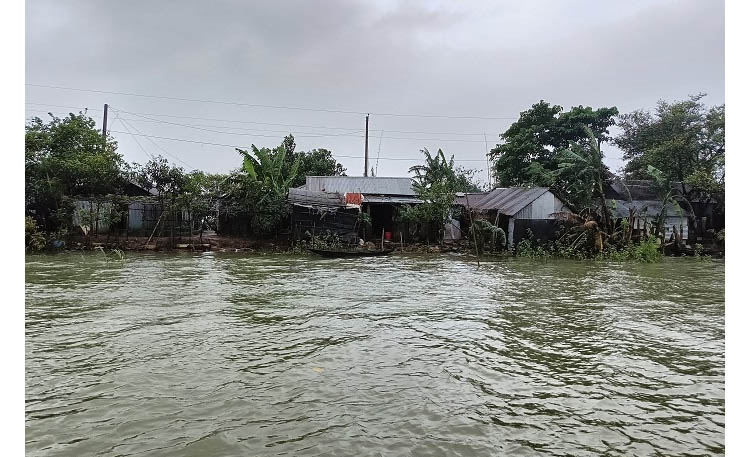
141	217
542	208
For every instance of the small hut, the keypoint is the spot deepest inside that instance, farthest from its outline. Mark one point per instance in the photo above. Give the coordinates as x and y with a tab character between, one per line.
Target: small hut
516	210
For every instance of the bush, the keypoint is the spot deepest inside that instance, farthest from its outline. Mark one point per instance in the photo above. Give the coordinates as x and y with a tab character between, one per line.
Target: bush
647	251
35	239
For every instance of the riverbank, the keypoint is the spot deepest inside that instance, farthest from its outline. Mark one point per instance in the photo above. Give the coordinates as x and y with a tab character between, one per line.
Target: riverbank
210	241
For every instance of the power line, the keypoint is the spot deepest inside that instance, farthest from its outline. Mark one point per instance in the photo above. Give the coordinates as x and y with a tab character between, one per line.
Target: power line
64	106
136	140
246	147
255	105
157	145
304	135
142	114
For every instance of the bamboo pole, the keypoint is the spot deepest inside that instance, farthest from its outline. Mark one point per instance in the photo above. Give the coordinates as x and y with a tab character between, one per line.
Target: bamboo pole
155	227
471	222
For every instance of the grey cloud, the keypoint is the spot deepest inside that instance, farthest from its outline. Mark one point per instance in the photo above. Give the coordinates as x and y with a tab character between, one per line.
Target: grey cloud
486	58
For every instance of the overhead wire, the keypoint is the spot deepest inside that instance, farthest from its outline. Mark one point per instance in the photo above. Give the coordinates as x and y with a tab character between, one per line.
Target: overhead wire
136	140
303	135
123	120
159	147
257	105
146	118
246	147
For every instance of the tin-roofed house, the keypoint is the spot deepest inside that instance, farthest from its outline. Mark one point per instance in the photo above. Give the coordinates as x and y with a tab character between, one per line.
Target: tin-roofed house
379	197
516	210
646	201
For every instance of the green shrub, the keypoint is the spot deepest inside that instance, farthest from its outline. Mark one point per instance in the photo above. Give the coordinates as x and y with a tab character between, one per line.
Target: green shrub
35	239
647	251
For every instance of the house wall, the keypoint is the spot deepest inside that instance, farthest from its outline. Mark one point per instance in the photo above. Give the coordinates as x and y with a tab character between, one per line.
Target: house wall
542	207
139	219
99	225
342	223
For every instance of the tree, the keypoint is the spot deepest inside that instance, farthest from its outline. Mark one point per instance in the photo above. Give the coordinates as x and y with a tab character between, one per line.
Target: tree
317	162
532	148
269	181
438	170
584	163
679	139
436	184
684	141
65	157
158	174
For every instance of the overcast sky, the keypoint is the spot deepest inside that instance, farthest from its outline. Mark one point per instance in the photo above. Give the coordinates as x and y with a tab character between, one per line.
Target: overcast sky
477	63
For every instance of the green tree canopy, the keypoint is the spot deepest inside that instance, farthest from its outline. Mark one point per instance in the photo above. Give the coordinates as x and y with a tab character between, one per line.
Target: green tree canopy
316	162
71	155
159	174
65	157
684	140
531	149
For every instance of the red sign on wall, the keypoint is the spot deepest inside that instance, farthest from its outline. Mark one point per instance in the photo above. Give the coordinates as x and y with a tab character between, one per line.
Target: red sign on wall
353	198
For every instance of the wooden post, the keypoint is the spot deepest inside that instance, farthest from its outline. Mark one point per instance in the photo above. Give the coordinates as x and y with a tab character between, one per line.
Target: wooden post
471	222
382	240
367	134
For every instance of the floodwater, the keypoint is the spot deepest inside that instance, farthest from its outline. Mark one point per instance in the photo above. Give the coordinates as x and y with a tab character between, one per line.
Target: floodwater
227	354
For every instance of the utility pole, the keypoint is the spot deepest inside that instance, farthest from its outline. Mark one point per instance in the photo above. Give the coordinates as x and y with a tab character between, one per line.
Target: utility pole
487	156
104	123
367	133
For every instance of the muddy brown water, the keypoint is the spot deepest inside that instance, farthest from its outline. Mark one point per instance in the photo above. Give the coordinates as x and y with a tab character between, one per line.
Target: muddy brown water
228	354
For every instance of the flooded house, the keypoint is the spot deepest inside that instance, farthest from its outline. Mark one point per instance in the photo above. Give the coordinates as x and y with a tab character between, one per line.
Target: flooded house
645	199
134	212
516	210
338	204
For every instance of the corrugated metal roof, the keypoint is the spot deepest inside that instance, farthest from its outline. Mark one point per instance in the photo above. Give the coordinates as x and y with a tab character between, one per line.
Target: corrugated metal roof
395	199
644	190
507	200
474	198
650	208
315	198
361	184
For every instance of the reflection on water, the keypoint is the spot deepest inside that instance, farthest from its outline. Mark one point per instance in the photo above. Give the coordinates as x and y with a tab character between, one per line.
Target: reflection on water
222	354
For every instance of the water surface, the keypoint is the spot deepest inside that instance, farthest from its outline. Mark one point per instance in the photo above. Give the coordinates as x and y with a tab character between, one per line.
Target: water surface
227	354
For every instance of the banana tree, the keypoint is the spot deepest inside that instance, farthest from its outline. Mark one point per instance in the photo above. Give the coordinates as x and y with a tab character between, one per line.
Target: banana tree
668	194
269	184
585	162
266	167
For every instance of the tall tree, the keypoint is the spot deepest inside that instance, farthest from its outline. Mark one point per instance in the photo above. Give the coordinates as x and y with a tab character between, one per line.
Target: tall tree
531	149
317	162
684	141
679	139
64	157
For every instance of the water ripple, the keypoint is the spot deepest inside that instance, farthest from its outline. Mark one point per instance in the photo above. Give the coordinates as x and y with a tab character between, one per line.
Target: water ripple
225	354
